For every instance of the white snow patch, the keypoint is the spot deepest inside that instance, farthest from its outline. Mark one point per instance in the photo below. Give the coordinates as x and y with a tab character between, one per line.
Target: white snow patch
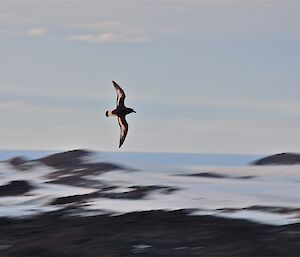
261	217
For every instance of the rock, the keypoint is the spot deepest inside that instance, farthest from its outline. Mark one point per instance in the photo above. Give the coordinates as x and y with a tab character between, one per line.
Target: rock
17	161
14	188
279	159
20	163
65	159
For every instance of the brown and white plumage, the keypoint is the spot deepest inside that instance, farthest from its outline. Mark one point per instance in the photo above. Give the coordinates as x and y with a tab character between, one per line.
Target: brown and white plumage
120	94
121	111
123	129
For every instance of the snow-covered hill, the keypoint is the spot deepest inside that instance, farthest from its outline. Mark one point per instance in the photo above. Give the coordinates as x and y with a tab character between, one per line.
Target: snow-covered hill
89	183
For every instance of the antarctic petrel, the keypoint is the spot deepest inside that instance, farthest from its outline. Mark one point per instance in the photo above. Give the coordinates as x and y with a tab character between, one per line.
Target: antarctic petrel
121	111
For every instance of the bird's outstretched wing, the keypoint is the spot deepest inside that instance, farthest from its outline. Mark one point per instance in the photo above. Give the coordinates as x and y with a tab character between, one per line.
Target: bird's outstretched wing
120	94
123	129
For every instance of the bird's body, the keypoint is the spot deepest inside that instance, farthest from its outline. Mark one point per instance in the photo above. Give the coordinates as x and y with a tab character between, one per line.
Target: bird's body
120	112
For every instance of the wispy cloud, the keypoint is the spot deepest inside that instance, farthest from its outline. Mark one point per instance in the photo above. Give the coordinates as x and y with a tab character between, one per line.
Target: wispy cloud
111	32
37	32
115	31
111	37
33	32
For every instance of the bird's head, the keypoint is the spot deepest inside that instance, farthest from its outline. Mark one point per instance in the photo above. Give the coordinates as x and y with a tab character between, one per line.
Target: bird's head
131	110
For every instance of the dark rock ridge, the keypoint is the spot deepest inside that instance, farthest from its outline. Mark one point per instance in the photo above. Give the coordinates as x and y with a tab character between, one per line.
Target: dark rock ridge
136	193
268	209
208	175
69	167
21	163
17	161
216	175
14	188
145	234
279	159
65	159
73	161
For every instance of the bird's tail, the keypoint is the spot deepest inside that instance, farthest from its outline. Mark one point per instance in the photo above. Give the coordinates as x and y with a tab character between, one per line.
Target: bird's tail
108	113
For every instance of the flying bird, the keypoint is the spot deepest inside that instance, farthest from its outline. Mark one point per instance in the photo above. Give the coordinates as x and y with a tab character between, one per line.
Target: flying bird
120	112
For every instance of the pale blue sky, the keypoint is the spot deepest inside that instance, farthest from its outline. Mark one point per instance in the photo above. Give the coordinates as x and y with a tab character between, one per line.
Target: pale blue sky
206	77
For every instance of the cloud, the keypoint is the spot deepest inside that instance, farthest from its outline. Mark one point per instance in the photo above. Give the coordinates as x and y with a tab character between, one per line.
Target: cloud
111	32
214	19
116	31
111	37
11	33
37	32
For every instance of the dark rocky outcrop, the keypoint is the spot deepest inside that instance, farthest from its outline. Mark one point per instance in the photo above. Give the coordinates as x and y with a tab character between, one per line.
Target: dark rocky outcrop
216	175
15	188
136	193
65	159
17	161
279	159
20	163
73	162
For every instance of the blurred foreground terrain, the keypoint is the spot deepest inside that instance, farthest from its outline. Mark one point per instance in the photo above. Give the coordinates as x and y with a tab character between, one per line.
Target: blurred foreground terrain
82	203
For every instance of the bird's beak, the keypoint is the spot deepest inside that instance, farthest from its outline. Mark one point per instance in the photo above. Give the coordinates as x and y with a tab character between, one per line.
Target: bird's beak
134	111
